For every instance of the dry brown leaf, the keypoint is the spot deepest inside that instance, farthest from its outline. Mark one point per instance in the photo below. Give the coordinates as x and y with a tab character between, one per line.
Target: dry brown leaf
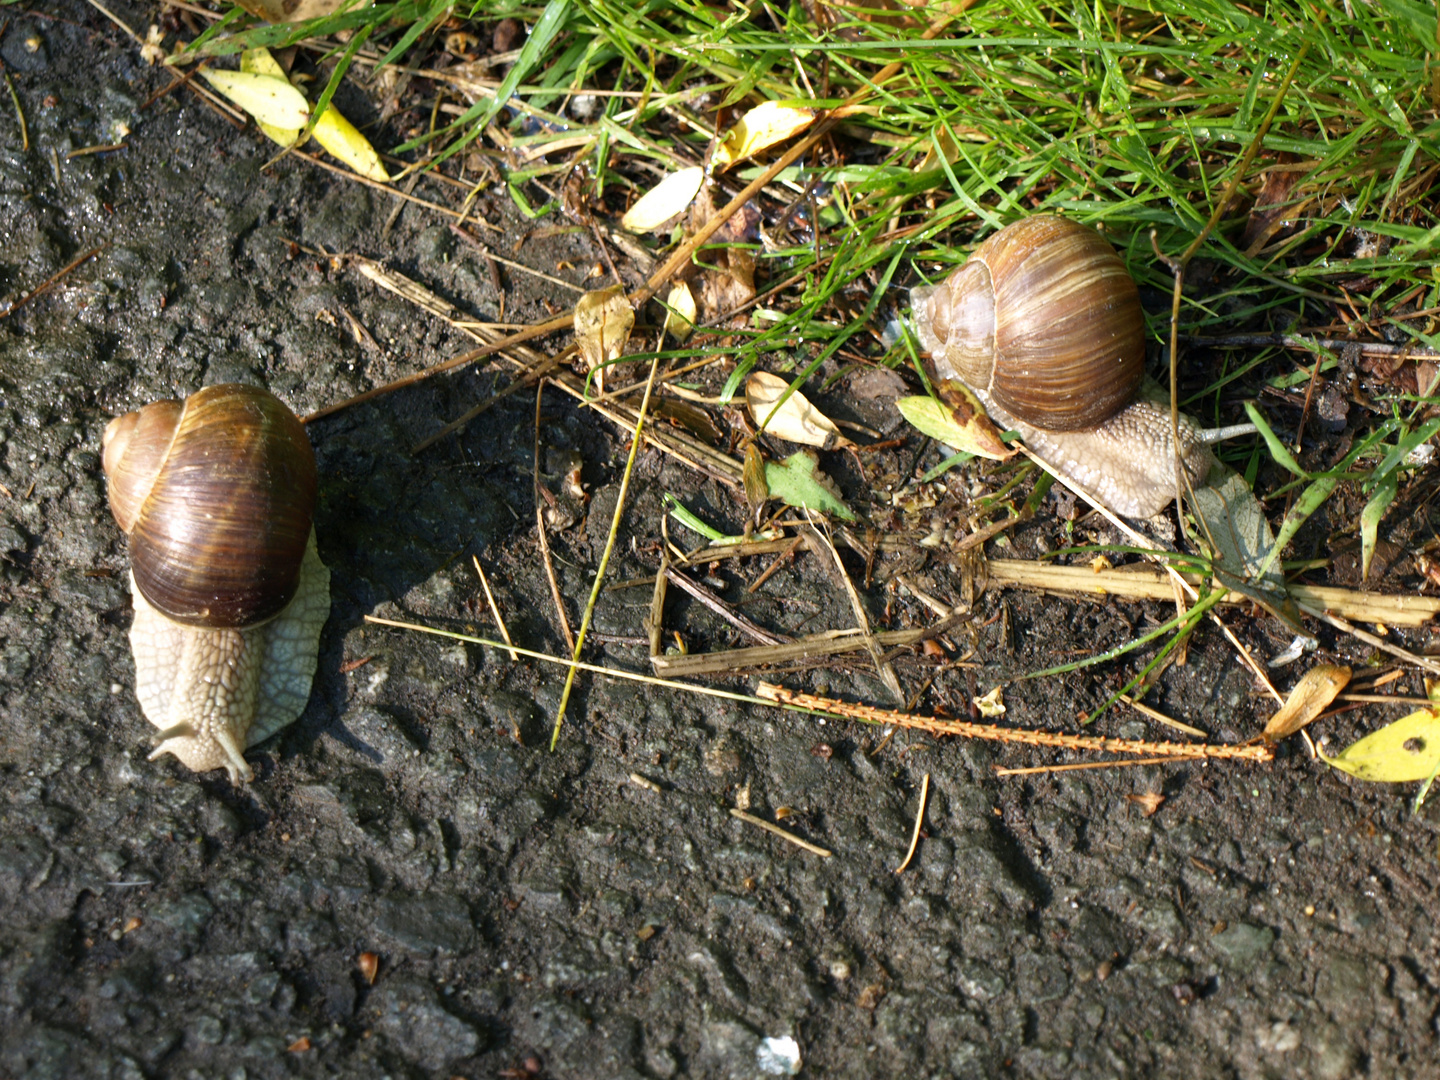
667	199
603	321
761	127
757	489
1311	696
796	420
282	11
720	293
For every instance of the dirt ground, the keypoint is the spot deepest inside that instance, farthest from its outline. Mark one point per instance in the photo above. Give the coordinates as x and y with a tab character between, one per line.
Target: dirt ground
540	913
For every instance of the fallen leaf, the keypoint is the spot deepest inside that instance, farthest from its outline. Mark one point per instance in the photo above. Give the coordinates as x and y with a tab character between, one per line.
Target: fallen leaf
992	704
798	482
260	62
796	420
680	311
761	127
1408	749
1311	696
344	141
268	99
280	11
1236	521
603	321
665	200
757	490
959	422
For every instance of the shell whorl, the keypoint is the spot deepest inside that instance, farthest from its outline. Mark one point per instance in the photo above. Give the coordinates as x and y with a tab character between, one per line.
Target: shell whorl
1044	319
217	494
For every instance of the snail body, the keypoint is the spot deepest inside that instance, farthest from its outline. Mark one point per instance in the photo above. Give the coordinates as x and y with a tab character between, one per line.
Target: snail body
217	496
1043	323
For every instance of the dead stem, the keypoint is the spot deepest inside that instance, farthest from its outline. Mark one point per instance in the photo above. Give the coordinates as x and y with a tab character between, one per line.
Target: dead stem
724	610
494	608
761	823
635	443
1026	736
540	529
820	541
53	280
919	822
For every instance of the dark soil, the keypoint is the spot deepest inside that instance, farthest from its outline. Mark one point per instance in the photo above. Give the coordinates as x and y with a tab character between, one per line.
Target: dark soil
541	912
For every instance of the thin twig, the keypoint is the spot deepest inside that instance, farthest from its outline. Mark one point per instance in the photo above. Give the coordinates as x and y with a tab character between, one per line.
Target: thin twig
761	823
1073	766
53	280
724	610
1311	344
540	529
117	21
1025	736
494	608
818	541
919	823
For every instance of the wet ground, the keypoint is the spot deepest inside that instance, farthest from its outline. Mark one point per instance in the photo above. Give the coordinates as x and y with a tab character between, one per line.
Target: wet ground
537	913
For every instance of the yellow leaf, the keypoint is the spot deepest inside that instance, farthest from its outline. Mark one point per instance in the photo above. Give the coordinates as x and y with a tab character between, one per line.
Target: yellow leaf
763	126
680	311
268	99
603	320
260	62
671	196
344	141
1408	749
958	421
796	420
1311	696
992	704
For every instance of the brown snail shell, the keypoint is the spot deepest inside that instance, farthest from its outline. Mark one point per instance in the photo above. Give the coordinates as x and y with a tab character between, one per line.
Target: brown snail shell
1045	319
217	494
1044	324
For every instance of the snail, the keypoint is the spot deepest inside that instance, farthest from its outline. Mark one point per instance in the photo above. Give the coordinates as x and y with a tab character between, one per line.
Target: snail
1044	324
217	496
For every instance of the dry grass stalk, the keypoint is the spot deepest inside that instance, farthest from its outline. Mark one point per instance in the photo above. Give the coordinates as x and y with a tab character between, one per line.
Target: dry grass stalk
1028	736
818	540
1147	583
919	823
833	643
761	823
494	608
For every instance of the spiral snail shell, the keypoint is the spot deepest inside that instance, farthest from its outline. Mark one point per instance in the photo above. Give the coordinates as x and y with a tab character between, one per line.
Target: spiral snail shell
1044	324
217	496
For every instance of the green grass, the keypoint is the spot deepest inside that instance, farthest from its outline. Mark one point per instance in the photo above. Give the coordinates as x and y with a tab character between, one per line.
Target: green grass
1134	117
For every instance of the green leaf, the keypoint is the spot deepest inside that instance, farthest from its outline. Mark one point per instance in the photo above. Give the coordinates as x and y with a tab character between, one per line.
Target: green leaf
964	427
1310	500
1370	520
1235	520
1277	449
798	481
1408	749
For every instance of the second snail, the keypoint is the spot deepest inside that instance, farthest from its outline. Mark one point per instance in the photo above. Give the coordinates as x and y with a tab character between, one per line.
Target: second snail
1043	323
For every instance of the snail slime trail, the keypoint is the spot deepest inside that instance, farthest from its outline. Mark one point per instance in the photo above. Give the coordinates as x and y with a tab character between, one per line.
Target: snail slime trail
217	496
1044	324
